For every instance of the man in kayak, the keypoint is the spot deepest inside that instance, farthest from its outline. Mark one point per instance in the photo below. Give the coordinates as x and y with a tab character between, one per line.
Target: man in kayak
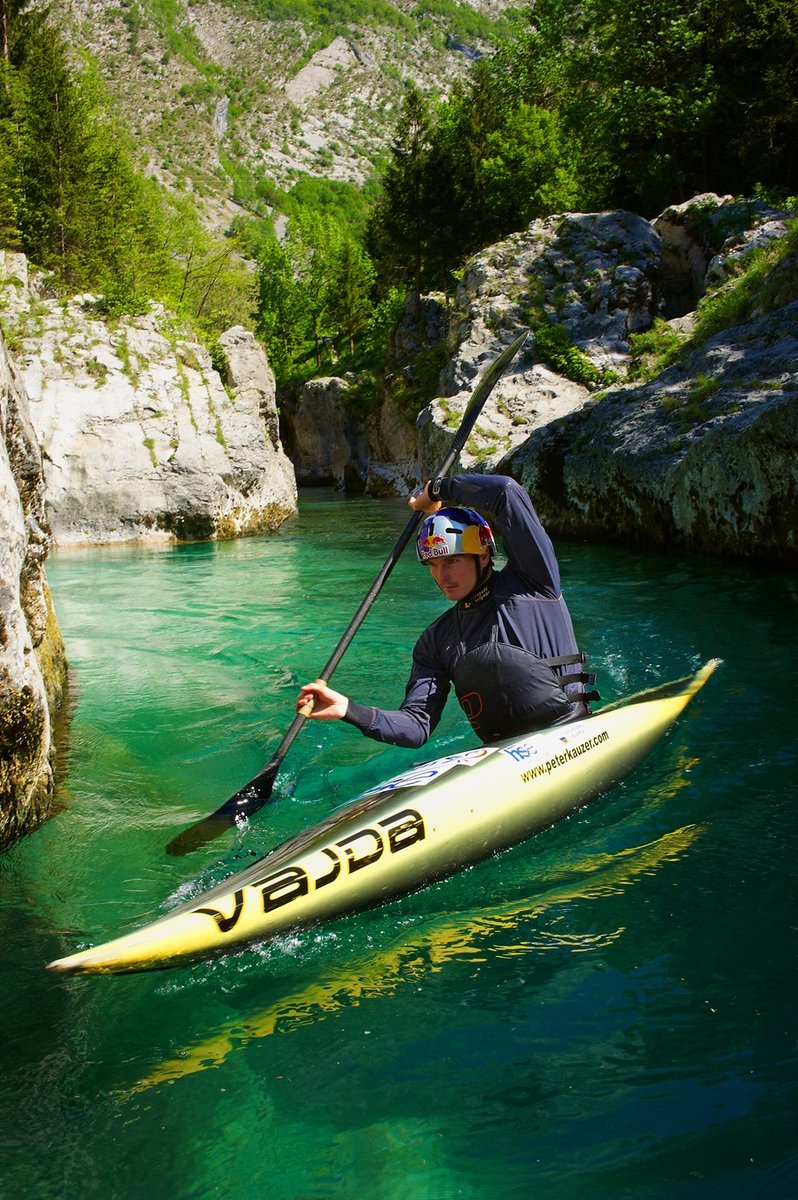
507	644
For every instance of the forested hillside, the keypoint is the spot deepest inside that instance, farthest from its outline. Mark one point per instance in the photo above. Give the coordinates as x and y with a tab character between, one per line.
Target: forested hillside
299	167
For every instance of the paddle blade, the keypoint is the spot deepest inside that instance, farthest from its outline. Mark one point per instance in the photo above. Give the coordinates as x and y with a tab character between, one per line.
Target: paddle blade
246	801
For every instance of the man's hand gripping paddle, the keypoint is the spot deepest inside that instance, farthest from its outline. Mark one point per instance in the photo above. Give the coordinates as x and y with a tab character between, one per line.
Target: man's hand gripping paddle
253	795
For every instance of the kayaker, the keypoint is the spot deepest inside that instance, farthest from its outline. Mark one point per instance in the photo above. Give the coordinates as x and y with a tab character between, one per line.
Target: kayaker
507	645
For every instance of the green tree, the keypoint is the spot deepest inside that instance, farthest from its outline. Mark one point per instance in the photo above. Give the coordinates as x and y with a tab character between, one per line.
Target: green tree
279	306
402	230
658	90
73	198
755	47
120	229
660	99
462	144
70	195
207	280
350	302
347	204
9	196
53	152
524	173
11	182
490	162
19	19
314	242
312	287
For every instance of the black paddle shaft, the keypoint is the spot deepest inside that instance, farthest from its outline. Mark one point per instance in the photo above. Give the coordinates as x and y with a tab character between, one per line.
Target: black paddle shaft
254	795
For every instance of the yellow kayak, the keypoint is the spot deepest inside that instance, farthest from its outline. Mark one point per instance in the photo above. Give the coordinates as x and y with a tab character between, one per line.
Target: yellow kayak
427	823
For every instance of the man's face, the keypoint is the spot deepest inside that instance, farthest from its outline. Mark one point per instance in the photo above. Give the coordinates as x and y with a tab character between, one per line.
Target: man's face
457	574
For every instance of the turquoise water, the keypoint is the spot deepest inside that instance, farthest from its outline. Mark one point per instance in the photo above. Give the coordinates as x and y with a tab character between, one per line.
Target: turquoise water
605	1011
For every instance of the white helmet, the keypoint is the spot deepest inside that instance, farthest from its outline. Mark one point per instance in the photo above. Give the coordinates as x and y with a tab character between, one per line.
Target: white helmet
454	531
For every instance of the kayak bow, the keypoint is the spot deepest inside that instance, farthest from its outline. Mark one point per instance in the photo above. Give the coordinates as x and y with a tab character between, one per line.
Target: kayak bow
423	825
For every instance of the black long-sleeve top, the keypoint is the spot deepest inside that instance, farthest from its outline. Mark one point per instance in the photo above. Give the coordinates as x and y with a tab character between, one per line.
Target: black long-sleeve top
523	602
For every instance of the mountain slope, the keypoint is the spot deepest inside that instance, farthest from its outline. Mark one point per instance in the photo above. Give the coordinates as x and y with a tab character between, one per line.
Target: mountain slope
230	102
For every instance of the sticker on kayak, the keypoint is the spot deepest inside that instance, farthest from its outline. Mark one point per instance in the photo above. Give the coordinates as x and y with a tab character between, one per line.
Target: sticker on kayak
425	773
534	745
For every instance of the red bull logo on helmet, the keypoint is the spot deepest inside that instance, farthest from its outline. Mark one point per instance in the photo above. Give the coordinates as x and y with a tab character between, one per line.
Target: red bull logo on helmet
432	546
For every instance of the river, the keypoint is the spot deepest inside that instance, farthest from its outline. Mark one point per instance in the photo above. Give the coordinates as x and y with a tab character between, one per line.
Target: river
607	1010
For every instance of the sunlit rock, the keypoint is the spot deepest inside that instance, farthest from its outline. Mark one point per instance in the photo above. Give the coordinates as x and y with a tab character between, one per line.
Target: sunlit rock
140	435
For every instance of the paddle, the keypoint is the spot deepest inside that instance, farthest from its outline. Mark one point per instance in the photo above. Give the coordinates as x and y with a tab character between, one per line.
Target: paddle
254	795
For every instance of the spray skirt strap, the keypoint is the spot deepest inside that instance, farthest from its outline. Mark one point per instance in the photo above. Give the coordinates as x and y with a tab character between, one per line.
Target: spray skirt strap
583	677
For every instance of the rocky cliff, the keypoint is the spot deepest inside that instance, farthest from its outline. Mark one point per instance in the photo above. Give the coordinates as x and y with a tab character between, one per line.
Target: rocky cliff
704	458
32	660
140	434
701	457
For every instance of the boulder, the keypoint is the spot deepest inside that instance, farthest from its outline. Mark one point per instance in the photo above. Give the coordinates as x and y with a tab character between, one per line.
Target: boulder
325	446
334	441
706	237
141	437
597	275
703	458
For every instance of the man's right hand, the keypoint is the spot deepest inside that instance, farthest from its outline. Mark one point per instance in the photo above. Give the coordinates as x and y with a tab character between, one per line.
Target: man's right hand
423	502
319	702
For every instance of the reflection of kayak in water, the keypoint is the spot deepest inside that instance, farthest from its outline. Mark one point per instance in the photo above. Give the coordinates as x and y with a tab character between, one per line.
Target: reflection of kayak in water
423	825
502	930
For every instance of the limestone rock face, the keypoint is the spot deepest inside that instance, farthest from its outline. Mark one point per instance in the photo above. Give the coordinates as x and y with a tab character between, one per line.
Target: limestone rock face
706	236
326	448
392	468
596	274
325	66
703	457
424	323
32	660
140	436
668	466
333	443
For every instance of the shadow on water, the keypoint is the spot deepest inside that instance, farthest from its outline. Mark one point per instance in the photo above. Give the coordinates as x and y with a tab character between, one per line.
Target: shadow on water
502	930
